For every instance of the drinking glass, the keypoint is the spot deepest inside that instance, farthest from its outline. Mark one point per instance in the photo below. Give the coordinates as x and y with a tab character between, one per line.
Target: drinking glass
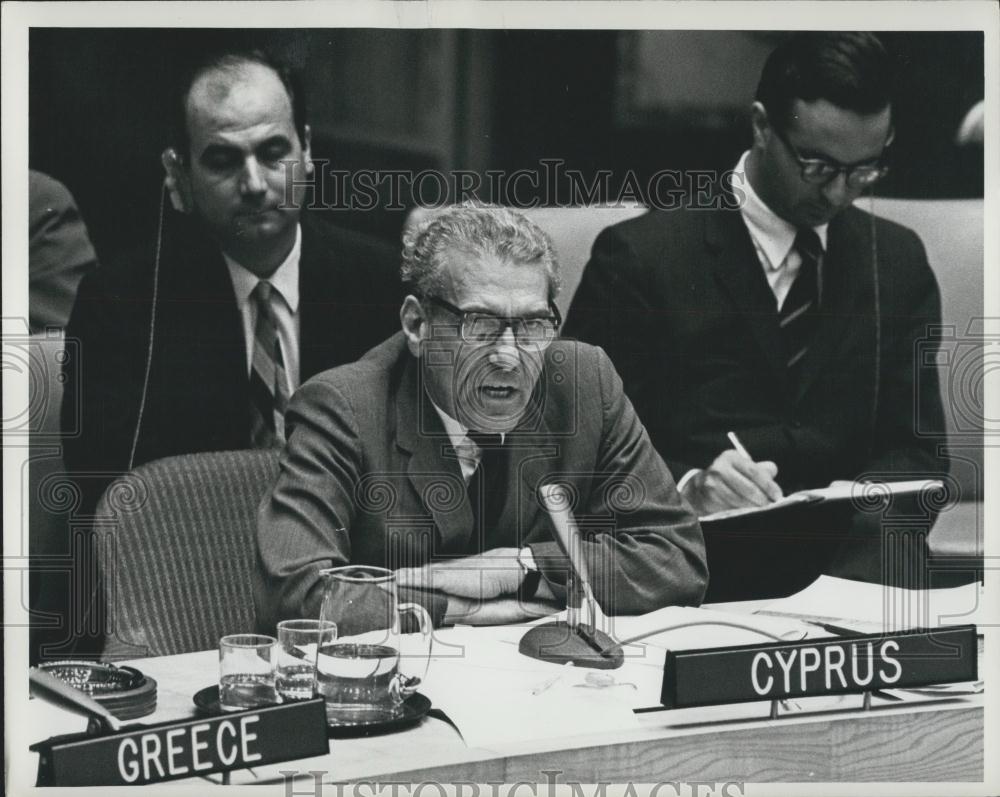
298	641
246	671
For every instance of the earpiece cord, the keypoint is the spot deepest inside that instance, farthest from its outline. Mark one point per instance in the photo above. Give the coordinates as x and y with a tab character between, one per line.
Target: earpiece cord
878	317
152	331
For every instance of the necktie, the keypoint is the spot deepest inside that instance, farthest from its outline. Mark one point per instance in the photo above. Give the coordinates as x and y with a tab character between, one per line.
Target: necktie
268	384
797	317
487	487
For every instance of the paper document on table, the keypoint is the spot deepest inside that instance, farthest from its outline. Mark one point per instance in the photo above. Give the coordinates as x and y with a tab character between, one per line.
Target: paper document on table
873	608
497	697
487	688
865	492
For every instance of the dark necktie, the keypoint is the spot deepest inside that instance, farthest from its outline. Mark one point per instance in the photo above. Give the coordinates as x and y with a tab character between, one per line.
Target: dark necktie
268	384
487	487
798	314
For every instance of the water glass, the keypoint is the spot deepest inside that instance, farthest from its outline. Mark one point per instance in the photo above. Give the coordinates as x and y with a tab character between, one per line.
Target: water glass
298	641
247	671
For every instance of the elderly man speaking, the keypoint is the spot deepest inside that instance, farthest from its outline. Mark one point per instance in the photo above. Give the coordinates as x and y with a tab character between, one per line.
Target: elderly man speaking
425	457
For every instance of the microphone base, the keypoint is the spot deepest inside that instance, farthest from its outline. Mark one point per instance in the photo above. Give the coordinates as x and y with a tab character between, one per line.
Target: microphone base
557	643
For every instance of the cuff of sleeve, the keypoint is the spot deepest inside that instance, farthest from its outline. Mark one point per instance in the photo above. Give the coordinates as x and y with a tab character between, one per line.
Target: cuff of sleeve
685	479
552	565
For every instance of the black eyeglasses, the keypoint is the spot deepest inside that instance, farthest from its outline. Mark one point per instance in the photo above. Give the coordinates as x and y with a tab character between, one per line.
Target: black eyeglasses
818	171
483	328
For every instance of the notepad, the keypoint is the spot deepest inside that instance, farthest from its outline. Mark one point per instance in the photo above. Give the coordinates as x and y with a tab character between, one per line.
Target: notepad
866	492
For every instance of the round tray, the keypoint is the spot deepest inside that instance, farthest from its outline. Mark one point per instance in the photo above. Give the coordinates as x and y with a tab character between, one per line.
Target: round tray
414	709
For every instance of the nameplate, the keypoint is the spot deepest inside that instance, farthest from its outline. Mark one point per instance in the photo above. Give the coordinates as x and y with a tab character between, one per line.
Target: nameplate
190	748
819	667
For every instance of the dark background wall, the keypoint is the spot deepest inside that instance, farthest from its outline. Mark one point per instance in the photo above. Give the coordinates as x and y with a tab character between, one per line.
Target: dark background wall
625	103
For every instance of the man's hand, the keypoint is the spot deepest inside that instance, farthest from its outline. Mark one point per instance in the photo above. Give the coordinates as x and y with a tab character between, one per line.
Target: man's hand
500	611
481	577
732	481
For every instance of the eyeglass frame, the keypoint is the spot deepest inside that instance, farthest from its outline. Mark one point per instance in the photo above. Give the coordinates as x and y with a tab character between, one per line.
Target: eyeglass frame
881	168
508	322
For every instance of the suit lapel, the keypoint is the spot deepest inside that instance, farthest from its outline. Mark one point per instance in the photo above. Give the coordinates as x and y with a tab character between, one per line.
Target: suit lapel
742	279
319	327
433	469
845	278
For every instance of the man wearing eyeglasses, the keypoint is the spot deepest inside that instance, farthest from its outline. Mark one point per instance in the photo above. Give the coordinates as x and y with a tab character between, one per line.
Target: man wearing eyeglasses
784	314
426	456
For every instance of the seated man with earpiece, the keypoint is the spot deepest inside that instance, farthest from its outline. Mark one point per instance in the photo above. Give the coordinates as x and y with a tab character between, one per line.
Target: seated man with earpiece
198	342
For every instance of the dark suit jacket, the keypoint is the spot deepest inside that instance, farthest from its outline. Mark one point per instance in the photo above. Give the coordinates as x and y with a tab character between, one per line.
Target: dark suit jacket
59	251
680	302
197	399
368	453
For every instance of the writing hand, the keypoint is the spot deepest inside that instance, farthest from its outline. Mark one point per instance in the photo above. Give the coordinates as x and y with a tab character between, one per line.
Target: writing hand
732	481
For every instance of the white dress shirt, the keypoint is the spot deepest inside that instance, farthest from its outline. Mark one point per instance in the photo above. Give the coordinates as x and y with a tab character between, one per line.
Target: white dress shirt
468	452
285	290
772	237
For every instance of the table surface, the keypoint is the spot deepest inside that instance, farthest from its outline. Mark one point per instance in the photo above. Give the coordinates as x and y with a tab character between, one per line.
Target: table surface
827	740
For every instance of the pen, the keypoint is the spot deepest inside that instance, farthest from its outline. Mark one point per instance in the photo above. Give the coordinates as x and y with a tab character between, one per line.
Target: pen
738	445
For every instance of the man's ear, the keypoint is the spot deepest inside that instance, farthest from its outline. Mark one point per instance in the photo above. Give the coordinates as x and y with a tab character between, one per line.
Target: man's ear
177	181
307	150
414	322
761	125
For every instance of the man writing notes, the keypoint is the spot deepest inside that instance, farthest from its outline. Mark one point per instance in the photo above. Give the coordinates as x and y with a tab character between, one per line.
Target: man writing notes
775	309
197	343
426	456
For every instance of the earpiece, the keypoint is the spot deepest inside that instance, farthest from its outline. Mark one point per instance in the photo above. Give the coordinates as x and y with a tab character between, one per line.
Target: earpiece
878	311
176	181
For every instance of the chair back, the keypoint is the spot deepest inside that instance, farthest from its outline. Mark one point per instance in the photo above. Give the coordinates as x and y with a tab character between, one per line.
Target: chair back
177	551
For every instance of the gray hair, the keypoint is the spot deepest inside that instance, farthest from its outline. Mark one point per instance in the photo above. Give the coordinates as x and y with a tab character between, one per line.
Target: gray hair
480	230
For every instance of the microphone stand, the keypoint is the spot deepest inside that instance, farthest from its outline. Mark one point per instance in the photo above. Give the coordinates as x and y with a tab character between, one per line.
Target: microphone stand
571	641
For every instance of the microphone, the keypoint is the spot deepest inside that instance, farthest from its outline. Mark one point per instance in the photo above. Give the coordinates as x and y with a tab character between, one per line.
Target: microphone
571	641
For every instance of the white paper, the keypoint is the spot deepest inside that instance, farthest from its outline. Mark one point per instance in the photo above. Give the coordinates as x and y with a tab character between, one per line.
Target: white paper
836	491
495	696
487	688
874	608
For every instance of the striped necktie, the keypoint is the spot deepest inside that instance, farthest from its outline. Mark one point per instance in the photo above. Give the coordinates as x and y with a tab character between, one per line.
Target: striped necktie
797	317
268	384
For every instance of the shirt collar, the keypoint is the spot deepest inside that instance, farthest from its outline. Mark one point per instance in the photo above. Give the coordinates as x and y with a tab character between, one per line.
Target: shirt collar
773	235
285	279
458	433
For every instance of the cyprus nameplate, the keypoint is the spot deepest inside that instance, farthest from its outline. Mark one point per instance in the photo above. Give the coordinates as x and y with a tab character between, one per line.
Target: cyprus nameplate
827	666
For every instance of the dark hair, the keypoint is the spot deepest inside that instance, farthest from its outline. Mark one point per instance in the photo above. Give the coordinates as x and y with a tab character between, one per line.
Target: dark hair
849	69
233	59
